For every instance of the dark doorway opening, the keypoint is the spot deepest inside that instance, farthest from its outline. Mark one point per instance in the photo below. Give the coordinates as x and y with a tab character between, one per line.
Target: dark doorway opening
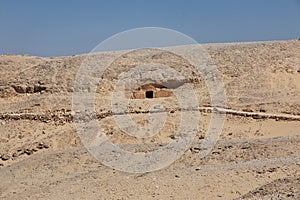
149	94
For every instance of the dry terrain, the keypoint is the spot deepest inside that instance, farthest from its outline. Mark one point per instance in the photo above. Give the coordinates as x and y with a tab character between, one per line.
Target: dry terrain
257	155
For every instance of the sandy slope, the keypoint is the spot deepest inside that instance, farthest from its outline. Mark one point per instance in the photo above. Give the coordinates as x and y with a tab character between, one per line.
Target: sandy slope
257	155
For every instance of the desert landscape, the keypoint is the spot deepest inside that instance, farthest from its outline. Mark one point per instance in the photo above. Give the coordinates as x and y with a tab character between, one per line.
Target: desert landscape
257	154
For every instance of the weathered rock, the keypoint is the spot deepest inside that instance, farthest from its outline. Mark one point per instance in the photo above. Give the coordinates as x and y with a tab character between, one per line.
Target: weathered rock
216	152
245	146
195	150
172	137
40	145
247	110
15	155
28	151
201	137
39	88
19	88
30	89
22	89
262	110
5	157
260	171
272	169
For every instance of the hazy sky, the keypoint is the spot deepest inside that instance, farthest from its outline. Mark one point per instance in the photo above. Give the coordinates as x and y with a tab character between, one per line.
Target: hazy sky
57	27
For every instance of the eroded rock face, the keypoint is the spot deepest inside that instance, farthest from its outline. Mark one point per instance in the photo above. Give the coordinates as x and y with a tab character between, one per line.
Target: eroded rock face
152	74
22	89
38	88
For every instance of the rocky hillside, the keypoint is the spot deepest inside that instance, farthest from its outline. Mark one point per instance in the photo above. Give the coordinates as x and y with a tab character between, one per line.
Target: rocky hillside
256	155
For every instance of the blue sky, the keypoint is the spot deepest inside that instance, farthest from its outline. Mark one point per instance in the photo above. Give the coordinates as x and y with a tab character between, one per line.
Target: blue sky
56	27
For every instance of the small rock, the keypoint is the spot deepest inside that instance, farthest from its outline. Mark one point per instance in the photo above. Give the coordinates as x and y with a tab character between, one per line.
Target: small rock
38	88
30	89
262	110
5	157
259	171
245	146
172	137
272	169
20	136
256	116
176	176
41	83
247	110
28	151
20	150
46	146
195	150
40	145
290	195
15	155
